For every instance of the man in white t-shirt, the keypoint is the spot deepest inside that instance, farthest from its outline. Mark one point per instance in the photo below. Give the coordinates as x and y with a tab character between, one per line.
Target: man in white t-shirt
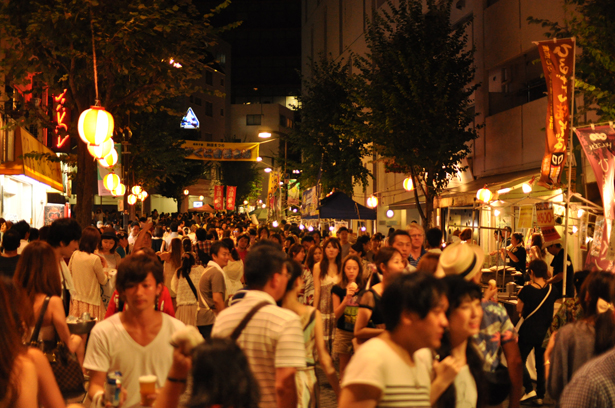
135	342
395	368
273	339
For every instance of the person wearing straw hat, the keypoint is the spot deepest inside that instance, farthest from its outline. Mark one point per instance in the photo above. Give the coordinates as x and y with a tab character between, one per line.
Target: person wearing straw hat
555	248
497	332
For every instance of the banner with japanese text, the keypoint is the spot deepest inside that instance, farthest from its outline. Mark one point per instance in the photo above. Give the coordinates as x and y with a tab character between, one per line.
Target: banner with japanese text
599	146
218	197
218	151
557	58
231	193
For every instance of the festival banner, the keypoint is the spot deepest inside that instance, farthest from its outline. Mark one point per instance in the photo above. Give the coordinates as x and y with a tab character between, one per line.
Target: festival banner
231	193
218	151
218	197
557	58
599	145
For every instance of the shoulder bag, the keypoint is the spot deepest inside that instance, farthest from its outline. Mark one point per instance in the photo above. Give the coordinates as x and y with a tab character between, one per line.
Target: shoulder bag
64	364
522	319
244	322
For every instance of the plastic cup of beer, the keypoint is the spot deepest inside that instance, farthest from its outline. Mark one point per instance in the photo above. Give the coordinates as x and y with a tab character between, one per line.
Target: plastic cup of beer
147	386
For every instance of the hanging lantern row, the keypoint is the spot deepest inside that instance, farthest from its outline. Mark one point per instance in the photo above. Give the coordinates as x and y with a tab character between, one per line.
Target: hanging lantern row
484	195
143	195
136	190
95	126
372	201
119	190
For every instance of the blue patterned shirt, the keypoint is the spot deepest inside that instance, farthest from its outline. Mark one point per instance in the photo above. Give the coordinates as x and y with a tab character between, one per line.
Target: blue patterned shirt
496	329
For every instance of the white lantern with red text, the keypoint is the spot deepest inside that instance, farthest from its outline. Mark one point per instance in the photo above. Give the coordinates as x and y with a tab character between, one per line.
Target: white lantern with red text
109	160
372	202
95	125
132	199
484	195
408	184
111	181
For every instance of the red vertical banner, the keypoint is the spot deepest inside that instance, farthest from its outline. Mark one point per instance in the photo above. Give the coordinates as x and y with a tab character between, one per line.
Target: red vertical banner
557	58
230	197
599	146
218	197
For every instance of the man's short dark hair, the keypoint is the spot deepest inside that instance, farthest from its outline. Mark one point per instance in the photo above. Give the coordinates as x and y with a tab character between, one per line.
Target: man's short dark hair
243	236
22	227
134	269
174	226
396	234
434	237
417	292
201	234
216	246
11	240
63	230
252	232
307	238
342	229
264	260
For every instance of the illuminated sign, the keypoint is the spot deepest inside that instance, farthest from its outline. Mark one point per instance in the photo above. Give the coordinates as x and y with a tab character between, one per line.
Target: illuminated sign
59	142
190	121
197	204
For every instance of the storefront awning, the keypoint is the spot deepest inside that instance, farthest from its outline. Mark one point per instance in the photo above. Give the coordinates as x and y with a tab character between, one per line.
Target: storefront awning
44	171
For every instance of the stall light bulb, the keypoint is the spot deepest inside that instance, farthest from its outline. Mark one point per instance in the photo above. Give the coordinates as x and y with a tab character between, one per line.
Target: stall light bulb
275	224
363	228
580	213
331	228
526	188
504	190
301	227
264	206
496	213
575	229
310	228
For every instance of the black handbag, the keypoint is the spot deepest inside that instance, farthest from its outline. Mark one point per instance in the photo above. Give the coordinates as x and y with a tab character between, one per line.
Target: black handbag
498	385
64	364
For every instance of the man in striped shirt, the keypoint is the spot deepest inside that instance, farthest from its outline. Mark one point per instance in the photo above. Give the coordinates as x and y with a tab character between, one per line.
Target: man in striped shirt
273	338
395	369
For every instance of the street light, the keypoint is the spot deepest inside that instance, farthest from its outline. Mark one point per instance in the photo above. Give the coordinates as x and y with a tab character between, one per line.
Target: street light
264	135
268	170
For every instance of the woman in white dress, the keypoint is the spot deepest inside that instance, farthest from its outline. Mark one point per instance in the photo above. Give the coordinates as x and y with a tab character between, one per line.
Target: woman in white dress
186	296
326	275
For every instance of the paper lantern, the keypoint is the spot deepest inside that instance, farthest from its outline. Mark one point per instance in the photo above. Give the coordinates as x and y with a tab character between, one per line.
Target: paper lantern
111	181
484	195
95	125
408	185
136	190
132	199
109	160
119	190
527	188
143	195
372	202
100	151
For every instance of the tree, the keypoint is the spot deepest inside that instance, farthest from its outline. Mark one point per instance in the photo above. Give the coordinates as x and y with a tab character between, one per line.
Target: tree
49	42
415	85
591	22
329	152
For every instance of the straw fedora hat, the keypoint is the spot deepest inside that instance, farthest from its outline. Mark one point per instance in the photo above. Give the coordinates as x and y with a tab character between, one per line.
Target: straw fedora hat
461	259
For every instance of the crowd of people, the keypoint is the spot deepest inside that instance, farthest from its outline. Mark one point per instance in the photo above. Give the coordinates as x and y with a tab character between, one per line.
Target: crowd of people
224	313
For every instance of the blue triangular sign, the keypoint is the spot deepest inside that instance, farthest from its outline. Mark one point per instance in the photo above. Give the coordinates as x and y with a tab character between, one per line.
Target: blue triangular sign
190	121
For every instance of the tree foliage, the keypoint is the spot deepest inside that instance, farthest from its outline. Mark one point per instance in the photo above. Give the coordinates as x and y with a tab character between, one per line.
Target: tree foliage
329	151
49	43
592	22
415	88
245	176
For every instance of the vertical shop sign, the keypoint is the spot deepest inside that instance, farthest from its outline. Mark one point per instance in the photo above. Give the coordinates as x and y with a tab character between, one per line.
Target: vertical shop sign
60	141
218	197
557	58
526	213
230	197
598	142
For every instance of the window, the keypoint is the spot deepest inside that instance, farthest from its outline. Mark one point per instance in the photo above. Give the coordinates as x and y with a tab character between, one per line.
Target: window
221	112
198	101
221	81
209	78
253	120
283	120
209	109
